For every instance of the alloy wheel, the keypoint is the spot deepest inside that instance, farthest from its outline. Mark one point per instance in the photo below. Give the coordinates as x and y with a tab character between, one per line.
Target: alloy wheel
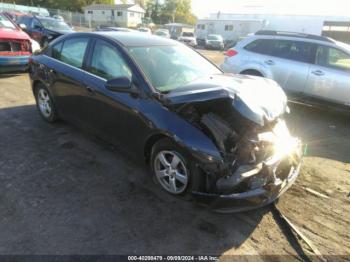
44	103
171	172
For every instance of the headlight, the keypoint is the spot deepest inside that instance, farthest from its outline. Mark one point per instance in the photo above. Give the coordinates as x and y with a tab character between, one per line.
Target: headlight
283	143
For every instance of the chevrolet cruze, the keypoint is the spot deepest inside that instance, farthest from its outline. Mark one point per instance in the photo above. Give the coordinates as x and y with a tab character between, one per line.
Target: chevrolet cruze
219	138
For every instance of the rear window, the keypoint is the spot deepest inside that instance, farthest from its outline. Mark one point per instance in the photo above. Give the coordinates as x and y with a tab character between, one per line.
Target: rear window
187	34
214	37
71	51
292	50
287	49
260	46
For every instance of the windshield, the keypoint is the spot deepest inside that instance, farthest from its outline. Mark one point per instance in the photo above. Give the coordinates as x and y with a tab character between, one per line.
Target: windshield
171	67
187	34
214	37
6	23
162	33
54	24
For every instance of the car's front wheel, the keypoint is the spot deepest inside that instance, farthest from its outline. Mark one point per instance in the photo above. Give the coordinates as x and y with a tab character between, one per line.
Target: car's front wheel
45	103
173	169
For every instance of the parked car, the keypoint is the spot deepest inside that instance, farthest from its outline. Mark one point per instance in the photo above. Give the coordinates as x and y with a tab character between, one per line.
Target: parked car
145	30
43	29
162	33
15	46
219	137
214	42
307	66
59	17
188	38
13	15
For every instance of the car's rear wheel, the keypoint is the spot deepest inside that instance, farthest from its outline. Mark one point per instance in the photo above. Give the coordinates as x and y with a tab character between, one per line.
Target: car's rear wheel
45	103
173	169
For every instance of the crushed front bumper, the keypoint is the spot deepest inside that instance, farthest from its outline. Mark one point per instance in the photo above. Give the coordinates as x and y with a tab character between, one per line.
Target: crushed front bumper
258	196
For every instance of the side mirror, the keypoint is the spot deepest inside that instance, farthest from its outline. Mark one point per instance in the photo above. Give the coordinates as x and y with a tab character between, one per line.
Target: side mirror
120	84
23	27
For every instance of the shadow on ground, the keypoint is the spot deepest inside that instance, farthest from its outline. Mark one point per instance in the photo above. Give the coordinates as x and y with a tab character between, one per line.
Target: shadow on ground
63	192
326	132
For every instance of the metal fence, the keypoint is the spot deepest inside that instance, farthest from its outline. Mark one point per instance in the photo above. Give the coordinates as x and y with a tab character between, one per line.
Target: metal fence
76	19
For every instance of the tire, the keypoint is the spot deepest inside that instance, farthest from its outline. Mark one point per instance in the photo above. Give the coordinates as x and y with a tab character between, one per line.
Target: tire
45	104
186	174
251	73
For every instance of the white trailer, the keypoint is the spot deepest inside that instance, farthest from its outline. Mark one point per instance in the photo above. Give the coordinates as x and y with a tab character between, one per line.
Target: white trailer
234	26
230	30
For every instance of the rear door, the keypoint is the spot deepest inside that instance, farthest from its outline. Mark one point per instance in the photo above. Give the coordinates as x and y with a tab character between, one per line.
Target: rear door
329	77
289	62
68	78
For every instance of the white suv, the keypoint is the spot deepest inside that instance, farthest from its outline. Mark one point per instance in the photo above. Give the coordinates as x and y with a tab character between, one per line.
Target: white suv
307	66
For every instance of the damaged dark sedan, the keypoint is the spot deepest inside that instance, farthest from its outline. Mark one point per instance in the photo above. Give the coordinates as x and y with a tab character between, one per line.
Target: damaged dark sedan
220	138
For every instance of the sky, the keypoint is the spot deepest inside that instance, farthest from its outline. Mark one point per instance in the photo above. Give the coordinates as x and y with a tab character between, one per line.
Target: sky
202	8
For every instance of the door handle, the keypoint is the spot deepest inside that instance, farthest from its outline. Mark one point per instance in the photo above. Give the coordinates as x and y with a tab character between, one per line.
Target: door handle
318	73
269	62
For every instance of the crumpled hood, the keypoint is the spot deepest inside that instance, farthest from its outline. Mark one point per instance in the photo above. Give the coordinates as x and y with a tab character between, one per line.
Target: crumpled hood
256	98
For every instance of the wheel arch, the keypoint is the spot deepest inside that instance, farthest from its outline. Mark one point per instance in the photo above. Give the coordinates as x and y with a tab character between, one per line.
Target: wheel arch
150	141
257	72
261	69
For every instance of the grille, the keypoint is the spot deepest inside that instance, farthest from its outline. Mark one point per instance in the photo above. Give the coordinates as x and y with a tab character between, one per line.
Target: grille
5	47
15	47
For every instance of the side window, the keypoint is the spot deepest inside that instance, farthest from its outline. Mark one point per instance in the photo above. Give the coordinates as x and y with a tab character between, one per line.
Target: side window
293	50
56	50
24	20
107	63
332	57
35	24
260	46
73	51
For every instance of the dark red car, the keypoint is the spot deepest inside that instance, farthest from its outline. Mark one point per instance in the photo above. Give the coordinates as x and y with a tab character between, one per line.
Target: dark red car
15	46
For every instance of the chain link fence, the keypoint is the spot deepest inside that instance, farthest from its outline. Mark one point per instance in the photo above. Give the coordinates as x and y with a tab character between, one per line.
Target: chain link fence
76	19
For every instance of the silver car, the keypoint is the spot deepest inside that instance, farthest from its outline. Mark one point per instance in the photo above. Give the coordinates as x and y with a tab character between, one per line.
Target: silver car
307	66
214	42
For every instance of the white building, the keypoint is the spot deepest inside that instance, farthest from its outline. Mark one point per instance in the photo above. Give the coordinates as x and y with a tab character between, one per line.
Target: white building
233	26
123	15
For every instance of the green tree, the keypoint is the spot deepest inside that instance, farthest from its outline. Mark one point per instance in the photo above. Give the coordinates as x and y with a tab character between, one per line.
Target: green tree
170	11
178	11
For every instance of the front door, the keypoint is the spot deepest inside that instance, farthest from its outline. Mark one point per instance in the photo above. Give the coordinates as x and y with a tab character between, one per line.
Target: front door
116	116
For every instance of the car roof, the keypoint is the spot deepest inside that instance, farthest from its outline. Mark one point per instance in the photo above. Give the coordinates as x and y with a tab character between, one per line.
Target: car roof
136	39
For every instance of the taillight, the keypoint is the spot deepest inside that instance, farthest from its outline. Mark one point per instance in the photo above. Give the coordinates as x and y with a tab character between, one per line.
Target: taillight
231	52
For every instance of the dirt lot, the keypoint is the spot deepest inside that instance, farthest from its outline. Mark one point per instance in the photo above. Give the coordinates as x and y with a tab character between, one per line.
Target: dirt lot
64	192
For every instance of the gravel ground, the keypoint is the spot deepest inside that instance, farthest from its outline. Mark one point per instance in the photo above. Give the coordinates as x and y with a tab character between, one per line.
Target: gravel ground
64	192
